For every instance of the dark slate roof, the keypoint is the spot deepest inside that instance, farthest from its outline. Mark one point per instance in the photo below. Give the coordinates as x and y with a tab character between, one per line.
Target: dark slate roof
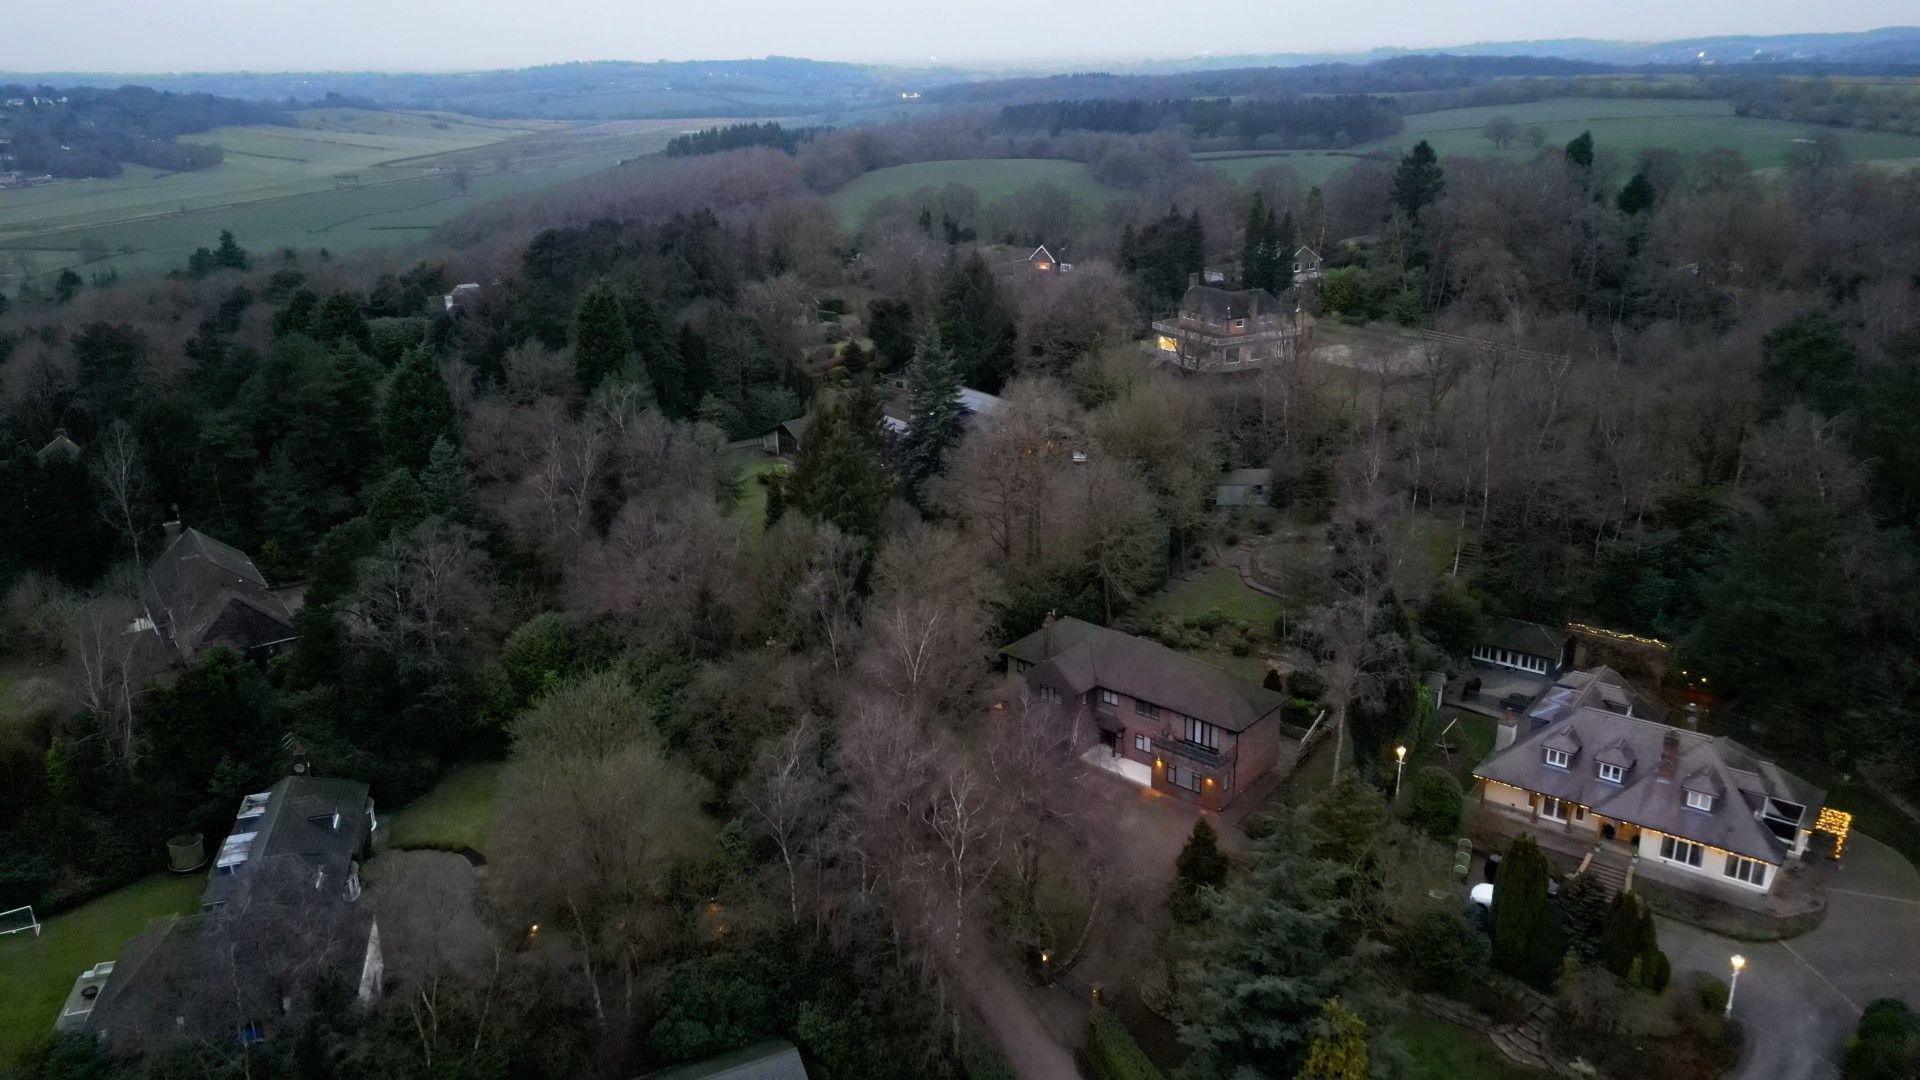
296	823
1084	656
59	445
1594	709
1524	637
1207	302
201	593
771	1059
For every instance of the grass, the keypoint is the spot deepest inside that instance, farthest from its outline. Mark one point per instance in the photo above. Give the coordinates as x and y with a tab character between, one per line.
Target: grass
750	463
1217	589
458	813
1624	126
37	972
1437	1050
990	178
344	179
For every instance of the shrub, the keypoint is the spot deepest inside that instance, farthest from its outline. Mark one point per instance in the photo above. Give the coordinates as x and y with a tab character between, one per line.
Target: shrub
1112	1053
1437	801
1240	647
1307	683
1520	917
1885	1045
1446	953
1200	865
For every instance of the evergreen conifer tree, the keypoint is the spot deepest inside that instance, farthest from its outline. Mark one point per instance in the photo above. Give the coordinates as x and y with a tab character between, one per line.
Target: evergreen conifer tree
1339	1050
975	324
1519	917
1419	180
447	486
416	412
601	339
1256	246
935	418
840	476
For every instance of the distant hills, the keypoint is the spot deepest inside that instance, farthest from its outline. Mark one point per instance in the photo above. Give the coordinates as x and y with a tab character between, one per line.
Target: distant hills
825	91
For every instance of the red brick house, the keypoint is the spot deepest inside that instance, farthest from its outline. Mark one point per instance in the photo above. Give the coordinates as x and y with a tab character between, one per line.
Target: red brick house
1161	718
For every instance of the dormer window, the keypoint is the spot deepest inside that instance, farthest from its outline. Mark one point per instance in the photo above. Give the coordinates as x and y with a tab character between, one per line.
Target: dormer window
1699	800
1612	774
1558	758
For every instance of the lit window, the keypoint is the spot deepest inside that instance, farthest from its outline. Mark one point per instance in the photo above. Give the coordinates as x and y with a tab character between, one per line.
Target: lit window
1559	809
1200	733
1168	344
1699	800
1674	849
1751	871
1612	774
1558	758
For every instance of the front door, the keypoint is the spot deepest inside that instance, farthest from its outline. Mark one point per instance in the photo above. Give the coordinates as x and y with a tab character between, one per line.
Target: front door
1110	740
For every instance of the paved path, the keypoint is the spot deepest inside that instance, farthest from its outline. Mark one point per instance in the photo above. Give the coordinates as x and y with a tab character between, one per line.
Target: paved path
1033	1049
1799	999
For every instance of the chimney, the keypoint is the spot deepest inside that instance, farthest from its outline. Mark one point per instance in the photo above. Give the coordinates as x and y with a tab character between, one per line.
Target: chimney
1193	281
1508	731
1669	757
1693	716
172	528
1046	636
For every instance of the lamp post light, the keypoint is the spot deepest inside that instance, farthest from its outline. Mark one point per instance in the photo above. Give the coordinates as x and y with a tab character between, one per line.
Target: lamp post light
1399	766
1732	987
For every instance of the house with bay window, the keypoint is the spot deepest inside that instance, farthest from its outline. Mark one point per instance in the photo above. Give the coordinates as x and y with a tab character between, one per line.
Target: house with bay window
1160	718
1593	774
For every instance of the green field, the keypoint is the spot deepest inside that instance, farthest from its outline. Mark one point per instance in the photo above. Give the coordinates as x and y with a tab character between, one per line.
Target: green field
345	179
992	178
1623	125
458	813
1217	589
37	972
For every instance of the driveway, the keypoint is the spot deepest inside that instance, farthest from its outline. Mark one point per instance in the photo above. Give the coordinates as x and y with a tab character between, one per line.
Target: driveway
1799	999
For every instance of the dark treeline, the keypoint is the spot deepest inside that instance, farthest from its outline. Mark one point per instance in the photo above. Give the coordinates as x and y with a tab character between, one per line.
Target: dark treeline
86	131
737	137
1334	121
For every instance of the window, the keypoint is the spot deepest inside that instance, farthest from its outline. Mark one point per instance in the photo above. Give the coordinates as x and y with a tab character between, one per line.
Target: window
1049	694
1200	733
1751	871
1143	744
1145	709
1109	697
1558	809
1557	758
1677	850
1612	774
1183	778
1699	800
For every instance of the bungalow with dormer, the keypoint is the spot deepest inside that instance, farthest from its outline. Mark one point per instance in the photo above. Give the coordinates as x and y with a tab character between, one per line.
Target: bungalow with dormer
1587	769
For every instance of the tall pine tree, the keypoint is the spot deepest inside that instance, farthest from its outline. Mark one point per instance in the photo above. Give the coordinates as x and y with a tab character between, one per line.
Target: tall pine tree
660	353
975	323
840	476
602	341
416	412
936	418
1419	180
1256	246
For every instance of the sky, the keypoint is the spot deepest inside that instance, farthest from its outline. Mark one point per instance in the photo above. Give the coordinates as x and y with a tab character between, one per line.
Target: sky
147	36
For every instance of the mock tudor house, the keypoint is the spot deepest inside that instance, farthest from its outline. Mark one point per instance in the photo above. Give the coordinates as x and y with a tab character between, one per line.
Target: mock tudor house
201	593
1590	768
1158	717
1221	331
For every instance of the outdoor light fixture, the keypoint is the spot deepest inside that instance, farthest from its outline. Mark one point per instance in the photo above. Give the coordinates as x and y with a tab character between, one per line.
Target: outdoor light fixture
1732	987
1399	766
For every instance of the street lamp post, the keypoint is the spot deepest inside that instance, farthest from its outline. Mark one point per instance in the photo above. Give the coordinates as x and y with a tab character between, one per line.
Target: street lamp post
1399	766
1734	986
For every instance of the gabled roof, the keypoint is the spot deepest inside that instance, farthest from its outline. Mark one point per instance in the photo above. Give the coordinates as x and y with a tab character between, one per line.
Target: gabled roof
201	592
1041	252
1207	302
1588	709
1083	656
771	1059
294	819
59	445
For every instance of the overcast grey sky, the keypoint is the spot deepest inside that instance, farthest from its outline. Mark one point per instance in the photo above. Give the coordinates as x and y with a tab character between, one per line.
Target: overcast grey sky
268	35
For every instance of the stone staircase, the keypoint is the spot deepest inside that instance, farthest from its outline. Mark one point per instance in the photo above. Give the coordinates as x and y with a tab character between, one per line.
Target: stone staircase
1525	1043
1611	865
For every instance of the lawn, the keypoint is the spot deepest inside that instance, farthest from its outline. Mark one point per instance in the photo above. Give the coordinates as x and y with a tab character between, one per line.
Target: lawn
1437	1050
1626	126
458	813
37	972
750	463
341	183
1215	590
991	178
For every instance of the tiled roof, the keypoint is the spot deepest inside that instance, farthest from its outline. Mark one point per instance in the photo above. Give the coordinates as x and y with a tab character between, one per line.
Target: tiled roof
1085	656
1594	709
201	592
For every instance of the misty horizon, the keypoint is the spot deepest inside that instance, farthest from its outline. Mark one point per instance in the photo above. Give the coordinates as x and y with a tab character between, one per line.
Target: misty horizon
98	36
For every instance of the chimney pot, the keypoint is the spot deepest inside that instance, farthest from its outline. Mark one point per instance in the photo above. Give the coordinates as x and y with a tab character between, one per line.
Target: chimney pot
1669	757
1193	280
1046	639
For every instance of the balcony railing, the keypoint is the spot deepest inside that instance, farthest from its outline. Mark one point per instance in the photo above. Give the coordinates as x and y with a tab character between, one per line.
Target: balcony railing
1194	752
